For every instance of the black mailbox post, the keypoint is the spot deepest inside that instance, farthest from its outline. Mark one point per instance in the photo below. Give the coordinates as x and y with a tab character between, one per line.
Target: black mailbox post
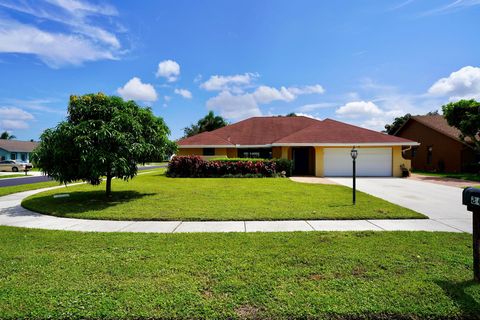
471	198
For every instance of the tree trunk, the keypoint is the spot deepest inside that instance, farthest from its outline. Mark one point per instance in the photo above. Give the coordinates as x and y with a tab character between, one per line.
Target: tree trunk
109	186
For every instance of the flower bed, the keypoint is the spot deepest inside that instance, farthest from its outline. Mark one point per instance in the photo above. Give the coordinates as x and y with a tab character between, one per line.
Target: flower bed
195	167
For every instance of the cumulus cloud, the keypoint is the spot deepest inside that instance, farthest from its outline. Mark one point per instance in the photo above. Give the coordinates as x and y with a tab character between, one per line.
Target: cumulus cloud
169	70
308	115
234	106
461	84
231	83
264	94
135	89
184	93
81	40
12	118
357	109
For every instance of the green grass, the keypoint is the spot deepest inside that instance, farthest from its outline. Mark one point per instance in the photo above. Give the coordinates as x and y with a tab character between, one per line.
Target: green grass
26	187
153	196
462	176
414	275
13	176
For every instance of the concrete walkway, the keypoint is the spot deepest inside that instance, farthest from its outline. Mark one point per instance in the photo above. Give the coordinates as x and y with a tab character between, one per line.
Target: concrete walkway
13	214
441	203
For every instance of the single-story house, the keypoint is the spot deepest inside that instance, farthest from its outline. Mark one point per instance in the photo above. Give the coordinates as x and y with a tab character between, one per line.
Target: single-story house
319	148
16	150
440	149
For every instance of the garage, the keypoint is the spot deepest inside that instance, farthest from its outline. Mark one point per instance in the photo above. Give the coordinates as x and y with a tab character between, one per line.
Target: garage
371	162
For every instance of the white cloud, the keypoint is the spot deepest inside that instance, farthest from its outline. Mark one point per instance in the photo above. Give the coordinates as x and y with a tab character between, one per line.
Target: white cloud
453	6
308	115
318	89
134	89
265	94
169	70
231	83
82	39
234	106
316	106
461	84
12	118
358	109
184	93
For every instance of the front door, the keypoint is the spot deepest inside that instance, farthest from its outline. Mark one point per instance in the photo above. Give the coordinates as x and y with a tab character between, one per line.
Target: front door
300	161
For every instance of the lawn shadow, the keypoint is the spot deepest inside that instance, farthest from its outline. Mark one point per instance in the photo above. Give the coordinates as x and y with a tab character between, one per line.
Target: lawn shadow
81	201
457	291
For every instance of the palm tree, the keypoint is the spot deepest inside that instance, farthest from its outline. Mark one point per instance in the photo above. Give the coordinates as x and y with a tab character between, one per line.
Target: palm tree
208	123
7	136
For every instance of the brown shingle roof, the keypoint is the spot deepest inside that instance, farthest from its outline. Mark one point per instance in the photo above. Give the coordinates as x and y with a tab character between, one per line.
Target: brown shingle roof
440	124
288	130
332	131
17	145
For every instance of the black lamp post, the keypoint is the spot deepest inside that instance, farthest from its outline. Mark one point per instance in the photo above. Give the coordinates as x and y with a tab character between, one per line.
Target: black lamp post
354	154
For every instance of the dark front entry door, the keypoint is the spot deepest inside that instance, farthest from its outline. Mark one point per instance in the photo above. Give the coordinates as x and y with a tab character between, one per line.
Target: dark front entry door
300	161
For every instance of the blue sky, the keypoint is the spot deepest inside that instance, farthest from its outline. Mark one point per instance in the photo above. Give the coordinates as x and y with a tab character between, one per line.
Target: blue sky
362	62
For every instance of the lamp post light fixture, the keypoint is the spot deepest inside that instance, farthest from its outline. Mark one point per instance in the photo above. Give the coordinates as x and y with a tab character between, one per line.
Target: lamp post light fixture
354	154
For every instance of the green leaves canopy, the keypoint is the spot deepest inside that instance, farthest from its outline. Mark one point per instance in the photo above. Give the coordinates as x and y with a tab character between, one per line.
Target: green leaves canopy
465	116
208	123
103	136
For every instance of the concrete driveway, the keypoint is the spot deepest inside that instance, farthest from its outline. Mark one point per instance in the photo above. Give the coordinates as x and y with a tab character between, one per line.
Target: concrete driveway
438	202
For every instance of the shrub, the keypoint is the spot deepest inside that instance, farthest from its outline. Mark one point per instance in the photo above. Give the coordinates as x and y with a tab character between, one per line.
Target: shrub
194	166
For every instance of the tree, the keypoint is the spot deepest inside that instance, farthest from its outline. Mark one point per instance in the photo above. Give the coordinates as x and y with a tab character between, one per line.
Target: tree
7	136
103	136
397	123
465	116
208	123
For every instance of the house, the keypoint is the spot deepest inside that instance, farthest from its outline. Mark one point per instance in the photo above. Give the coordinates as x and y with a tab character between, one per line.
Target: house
441	148
16	150
319	148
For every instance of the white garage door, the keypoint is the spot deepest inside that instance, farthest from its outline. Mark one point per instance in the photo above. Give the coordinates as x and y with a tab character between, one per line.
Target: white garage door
371	162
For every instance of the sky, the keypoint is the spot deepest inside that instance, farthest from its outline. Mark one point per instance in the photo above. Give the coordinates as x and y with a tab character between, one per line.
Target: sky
361	62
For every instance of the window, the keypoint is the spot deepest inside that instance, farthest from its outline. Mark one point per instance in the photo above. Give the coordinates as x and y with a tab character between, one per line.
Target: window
429	154
264	153
414	152
208	151
24	157
13	156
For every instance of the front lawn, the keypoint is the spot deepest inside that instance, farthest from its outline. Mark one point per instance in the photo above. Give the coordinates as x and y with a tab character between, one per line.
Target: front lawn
407	275
153	196
26	187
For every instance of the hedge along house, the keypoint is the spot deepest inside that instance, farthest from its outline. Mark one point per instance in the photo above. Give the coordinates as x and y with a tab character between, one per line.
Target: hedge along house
317	148
16	150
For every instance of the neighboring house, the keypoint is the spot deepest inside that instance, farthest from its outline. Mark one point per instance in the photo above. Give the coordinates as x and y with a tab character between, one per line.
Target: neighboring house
320	148
16	150
441	148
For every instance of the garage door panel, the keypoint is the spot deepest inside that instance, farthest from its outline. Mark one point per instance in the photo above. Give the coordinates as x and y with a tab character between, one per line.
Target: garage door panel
371	162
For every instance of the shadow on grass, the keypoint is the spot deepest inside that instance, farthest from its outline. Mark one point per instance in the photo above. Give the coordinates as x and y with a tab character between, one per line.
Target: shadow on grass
458	293
81	201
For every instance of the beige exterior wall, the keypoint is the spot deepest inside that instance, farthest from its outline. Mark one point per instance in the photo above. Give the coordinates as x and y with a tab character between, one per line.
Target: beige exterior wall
277	152
319	161
398	161
190	152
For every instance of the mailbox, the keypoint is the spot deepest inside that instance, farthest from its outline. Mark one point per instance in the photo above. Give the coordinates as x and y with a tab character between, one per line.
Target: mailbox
471	198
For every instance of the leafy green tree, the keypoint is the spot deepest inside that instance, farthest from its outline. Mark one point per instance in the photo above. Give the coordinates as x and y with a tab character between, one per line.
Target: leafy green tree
7	136
103	136
465	116
208	123
397	123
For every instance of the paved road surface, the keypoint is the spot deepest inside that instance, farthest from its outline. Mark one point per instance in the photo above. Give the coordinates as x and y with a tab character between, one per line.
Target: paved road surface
36	179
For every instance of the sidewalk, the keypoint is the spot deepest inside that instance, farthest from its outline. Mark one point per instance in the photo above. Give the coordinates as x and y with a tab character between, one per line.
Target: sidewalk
13	214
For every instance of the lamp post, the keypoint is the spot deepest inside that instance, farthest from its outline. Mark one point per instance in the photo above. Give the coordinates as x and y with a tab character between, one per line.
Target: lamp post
354	154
